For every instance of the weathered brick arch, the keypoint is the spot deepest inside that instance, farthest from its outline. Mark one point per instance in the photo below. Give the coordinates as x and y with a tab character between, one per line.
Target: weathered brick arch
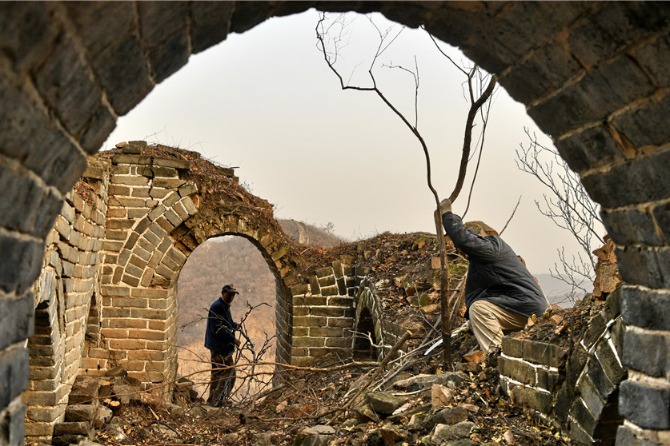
369	320
593	75
274	254
159	210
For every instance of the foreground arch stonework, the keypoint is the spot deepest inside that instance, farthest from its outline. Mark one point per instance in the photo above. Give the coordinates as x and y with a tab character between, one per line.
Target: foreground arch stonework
592	75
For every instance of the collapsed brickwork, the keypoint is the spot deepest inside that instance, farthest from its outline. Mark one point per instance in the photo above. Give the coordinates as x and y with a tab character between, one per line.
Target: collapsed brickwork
593	75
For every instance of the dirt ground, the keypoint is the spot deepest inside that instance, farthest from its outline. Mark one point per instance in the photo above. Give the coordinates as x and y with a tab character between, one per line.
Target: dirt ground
307	398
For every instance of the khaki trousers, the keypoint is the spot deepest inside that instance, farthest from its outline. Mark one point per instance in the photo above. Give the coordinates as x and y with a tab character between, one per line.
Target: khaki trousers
487	322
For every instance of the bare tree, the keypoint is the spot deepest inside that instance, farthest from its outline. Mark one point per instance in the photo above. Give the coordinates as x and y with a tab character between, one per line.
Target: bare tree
568	205
332	38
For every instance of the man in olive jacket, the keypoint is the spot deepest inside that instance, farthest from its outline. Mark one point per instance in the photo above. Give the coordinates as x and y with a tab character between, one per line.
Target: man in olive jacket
500	292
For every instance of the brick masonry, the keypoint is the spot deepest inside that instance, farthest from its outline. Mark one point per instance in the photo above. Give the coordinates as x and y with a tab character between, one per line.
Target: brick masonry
594	76
338	311
576	384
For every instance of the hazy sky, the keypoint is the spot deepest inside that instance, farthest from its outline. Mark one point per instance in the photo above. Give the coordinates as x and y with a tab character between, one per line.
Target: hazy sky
266	103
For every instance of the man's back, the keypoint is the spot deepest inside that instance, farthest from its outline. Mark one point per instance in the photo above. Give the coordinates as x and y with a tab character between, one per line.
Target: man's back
495	273
219	334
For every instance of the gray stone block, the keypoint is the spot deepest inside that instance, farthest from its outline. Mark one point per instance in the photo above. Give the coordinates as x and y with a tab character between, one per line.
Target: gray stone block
330	290
644	181
613	27
446	433
646	406
210	23
14	372
641	265
16	320
517	370
613	303
123	73
591	397
384	403
616	84
661	213
647	352
617	334
247	15
17	428
626	437
648	309
169	56
569	109
542	353
592	146
39	206
66	85
27	254
512	347
651	58
85	390
547	380
81	412
26	32
448	415
644	125
528	397
609	362
584	417
99	25
159	22
597	326
551	65
578	434
599	378
563	402
630	225
326	280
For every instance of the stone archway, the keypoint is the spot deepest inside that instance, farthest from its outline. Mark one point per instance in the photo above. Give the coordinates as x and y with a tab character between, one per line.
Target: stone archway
592	75
161	208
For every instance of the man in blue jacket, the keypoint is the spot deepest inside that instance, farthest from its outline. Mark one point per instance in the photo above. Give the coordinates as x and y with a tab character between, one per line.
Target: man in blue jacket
221	341
500	293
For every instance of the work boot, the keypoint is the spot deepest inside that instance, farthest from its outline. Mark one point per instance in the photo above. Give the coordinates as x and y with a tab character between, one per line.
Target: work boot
491	359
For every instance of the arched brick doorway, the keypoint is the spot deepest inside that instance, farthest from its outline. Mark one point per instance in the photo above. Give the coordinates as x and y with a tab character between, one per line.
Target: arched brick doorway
592	75
216	262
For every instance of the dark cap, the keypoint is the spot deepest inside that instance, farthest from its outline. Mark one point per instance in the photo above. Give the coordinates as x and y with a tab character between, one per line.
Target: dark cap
230	288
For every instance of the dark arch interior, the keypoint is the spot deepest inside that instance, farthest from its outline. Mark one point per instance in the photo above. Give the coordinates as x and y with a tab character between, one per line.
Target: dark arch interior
363	335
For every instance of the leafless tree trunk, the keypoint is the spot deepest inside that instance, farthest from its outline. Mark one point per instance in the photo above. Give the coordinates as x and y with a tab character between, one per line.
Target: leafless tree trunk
330	44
